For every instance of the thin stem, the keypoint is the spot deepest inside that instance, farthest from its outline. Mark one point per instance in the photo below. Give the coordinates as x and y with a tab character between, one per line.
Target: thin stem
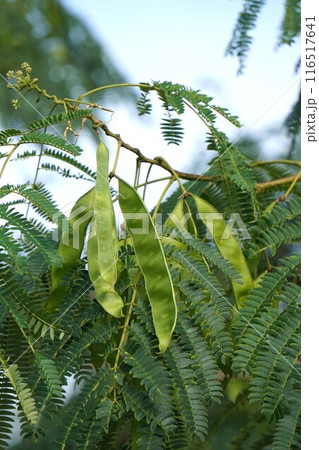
153	181
69	125
191	219
173	171
119	144
261	187
137	172
198	115
123	338
80	129
268	263
125	328
146	180
171	181
297	178
8	158
211	129
93	105
111	86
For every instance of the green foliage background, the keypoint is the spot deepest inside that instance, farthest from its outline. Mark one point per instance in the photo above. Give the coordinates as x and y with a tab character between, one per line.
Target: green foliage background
229	379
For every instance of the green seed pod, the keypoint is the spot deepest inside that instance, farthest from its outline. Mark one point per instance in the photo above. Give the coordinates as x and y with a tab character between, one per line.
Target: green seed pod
228	246
102	250
70	248
151	260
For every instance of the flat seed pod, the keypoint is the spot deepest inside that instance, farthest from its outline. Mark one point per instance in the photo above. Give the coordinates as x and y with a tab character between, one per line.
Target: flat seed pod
70	248
152	262
102	251
228	246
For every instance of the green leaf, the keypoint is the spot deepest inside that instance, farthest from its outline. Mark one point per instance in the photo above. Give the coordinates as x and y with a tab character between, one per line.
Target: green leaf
58	118
50	139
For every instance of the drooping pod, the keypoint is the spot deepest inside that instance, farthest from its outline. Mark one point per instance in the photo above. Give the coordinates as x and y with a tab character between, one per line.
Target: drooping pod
70	248
102	249
228	246
151	260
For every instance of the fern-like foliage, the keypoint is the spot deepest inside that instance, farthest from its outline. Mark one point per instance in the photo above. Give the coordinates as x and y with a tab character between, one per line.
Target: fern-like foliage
172	130
276	228
175	99
7	409
80	378
241	40
291	24
37	137
269	347
21	389
5	135
208	252
58	118
32	234
288	428
40	199
235	166
166	397
66	173
144	105
69	160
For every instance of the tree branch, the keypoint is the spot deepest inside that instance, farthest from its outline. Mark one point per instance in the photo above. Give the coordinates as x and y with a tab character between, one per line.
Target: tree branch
260	187
276	161
32	85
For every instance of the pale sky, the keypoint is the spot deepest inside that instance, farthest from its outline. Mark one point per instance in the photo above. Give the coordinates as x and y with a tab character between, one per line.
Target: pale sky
185	41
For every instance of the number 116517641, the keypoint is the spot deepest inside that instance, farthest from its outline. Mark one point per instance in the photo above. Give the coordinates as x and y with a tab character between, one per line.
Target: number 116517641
310	49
